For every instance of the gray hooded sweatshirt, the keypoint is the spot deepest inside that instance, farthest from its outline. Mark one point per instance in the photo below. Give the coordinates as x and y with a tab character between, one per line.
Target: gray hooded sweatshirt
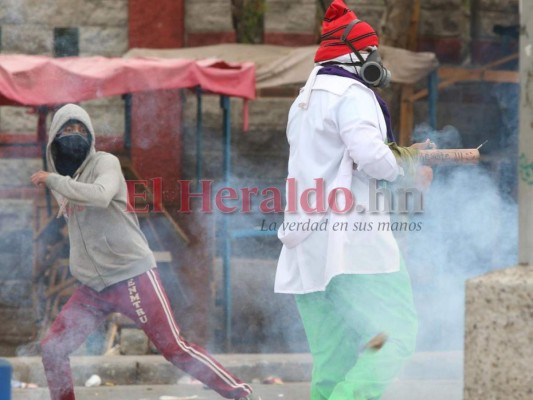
106	244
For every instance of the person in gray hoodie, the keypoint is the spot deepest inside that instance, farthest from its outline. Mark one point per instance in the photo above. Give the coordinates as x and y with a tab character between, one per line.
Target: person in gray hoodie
111	258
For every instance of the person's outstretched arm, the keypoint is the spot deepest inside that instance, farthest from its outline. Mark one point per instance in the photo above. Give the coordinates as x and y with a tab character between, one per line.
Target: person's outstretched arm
97	194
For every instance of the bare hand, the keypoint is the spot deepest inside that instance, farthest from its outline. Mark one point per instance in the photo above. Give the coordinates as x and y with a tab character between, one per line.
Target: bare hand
39	178
426	145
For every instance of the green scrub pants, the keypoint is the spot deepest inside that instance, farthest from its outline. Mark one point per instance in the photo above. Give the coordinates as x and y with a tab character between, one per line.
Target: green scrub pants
340	321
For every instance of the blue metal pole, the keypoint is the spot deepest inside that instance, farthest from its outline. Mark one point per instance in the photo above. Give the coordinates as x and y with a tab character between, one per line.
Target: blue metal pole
41	138
199	137
225	104
128	104
226	129
433	96
251	233
5	380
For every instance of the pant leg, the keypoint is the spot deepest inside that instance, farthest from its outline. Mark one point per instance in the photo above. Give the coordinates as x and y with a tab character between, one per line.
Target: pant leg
80	316
144	300
372	304
332	342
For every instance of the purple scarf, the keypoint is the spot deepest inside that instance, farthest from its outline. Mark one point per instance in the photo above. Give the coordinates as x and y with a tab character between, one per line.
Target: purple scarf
338	71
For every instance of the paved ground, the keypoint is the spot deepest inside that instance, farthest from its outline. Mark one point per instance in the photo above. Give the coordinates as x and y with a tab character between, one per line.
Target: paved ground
428	376
400	390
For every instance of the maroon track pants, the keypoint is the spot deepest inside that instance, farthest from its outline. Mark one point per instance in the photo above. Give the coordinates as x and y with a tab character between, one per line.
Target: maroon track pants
144	300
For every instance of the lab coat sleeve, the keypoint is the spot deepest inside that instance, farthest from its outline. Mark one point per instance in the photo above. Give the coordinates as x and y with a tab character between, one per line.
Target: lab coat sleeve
356	115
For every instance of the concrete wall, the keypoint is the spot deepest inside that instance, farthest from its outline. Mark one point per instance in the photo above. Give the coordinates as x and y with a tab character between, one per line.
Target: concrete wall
499	335
444	29
486	44
156	24
451	28
27	25
16	260
107	115
208	16
208	22
491	12
291	23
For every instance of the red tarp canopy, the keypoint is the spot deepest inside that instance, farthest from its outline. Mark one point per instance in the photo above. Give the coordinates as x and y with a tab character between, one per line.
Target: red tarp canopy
39	80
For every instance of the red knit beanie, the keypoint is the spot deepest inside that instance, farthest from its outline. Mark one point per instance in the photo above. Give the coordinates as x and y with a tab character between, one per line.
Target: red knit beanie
337	17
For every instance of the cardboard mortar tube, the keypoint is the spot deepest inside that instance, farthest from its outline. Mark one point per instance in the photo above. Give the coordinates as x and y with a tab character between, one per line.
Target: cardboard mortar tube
449	156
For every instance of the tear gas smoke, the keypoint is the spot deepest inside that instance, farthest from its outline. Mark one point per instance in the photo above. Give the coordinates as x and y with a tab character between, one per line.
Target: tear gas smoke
470	227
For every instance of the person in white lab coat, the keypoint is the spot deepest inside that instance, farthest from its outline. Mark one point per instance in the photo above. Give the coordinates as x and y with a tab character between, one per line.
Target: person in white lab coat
339	255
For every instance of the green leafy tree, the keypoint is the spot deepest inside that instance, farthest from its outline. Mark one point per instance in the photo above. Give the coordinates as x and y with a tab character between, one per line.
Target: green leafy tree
248	20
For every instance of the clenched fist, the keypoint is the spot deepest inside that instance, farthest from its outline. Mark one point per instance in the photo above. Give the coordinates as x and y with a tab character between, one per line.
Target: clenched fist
39	178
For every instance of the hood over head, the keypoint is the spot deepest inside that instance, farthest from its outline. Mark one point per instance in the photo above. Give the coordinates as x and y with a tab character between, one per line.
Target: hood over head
65	114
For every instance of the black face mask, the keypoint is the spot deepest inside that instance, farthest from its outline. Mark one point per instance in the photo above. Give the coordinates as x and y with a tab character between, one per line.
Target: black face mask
69	152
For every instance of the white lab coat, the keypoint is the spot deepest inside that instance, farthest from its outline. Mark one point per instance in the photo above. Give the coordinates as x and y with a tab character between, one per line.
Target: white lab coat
339	137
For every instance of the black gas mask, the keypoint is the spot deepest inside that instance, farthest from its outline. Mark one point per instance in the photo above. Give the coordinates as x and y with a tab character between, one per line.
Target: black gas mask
69	151
372	70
